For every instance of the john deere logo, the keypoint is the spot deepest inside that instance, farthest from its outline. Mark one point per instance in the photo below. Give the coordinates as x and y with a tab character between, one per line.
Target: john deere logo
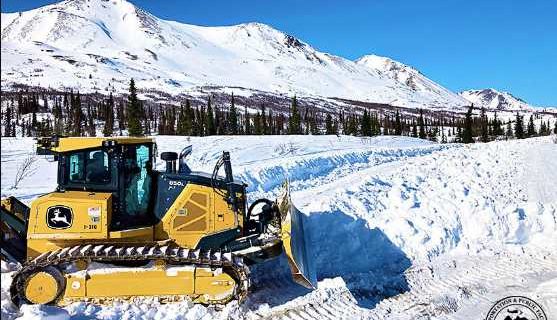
516	308
59	217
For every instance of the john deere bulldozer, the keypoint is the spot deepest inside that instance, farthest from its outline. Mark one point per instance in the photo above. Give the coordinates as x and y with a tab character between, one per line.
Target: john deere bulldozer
115	228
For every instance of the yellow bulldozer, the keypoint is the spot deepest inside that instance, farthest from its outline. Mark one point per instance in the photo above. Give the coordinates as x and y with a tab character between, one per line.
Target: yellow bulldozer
116	228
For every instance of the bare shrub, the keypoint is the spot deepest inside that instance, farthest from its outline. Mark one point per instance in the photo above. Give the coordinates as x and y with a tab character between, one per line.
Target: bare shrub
286	148
25	169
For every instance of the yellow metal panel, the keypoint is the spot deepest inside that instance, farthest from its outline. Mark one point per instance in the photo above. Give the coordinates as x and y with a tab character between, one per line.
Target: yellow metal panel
89	210
75	285
197	212
224	217
80	143
145	233
141	282
213	284
91	214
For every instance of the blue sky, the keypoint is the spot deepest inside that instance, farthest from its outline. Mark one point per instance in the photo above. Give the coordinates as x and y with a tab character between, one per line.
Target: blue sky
462	44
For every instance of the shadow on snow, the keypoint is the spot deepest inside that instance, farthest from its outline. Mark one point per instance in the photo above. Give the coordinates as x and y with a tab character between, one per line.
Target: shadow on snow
343	246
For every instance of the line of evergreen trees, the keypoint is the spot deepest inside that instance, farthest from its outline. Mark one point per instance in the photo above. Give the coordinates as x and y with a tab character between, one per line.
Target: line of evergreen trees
73	115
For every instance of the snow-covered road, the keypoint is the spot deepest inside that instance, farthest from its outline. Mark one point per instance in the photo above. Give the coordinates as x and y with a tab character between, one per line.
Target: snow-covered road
400	228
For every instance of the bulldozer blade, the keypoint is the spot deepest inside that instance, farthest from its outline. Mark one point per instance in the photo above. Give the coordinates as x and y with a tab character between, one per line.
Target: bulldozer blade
296	242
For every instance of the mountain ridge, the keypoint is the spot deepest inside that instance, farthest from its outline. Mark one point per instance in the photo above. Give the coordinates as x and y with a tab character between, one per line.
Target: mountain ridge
88	44
493	99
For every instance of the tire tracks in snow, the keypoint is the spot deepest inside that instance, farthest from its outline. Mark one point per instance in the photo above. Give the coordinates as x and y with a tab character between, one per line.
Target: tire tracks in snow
438	289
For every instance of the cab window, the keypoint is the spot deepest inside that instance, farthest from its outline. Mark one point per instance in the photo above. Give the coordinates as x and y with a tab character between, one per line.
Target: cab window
90	167
138	181
77	167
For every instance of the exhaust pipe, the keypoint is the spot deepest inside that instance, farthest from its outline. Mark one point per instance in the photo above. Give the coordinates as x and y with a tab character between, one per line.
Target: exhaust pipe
170	159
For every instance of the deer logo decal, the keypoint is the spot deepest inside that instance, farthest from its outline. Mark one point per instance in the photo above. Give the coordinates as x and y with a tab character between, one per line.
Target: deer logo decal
59	217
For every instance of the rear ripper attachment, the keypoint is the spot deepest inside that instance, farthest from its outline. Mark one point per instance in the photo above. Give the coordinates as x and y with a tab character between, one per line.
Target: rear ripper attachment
14	216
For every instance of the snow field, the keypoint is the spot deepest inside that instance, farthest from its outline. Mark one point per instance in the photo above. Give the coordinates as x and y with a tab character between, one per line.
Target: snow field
400	228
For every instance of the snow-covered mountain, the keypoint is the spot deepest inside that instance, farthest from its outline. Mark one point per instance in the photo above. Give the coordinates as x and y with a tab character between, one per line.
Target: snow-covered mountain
403	75
97	45
492	99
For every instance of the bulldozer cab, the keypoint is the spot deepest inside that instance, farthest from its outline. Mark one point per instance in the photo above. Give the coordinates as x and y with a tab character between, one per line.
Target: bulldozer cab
123	169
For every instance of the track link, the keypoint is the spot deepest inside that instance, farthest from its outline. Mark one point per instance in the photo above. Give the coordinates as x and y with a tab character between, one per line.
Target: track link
110	253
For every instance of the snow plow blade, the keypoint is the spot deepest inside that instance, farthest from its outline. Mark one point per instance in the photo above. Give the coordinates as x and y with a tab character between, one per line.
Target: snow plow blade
14	216
296	242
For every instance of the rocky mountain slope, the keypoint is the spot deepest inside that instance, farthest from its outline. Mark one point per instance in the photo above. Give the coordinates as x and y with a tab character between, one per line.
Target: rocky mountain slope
492	99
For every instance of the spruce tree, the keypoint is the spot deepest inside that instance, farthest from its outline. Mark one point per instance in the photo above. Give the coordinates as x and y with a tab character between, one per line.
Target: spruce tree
133	112
181	127
509	133
496	124
270	124
197	125
329	124
162	122
58	118
294	121
543	129
188	122
121	117
375	125
335	126
421	125
306	121
91	131
171	121
484	134
8	122
108	128
531	130
210	128
233	118
220	124
34	124
467	135
519	127
257	124
313	128
398	124
555	127
366	125
247	121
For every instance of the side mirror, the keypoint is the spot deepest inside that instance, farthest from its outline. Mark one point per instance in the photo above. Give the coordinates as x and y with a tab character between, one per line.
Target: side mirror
182	166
